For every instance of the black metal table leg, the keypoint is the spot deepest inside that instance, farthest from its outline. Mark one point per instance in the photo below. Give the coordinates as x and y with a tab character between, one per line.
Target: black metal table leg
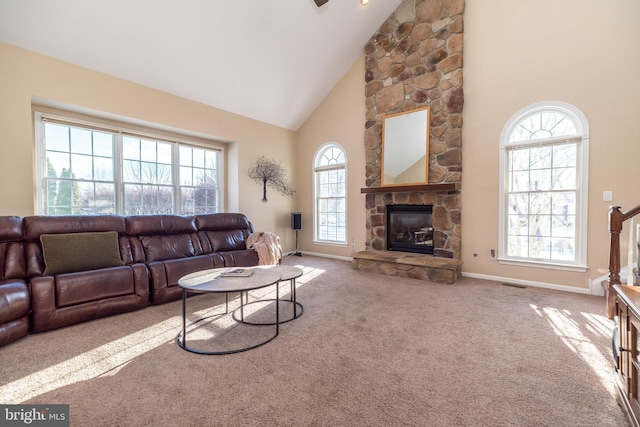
184	318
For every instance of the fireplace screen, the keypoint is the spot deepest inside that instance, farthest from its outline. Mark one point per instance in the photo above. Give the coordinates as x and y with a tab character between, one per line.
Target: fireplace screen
410	228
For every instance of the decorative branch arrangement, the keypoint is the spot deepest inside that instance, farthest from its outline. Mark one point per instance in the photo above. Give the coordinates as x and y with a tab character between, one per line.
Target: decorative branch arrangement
267	171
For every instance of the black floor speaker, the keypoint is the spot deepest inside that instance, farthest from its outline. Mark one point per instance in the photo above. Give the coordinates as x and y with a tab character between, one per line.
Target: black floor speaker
296	220
296	224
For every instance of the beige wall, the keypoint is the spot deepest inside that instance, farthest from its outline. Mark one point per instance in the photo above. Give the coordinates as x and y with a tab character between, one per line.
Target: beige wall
518	53
515	54
25	76
340	118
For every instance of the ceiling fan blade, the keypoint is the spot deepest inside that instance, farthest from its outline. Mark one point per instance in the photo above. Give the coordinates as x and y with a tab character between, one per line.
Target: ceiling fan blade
320	2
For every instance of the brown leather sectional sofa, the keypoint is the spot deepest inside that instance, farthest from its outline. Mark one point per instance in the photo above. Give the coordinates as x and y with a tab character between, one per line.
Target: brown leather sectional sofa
14	292
154	252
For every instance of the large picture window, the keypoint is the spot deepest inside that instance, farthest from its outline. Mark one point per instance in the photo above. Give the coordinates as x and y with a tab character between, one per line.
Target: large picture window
89	169
544	160
330	217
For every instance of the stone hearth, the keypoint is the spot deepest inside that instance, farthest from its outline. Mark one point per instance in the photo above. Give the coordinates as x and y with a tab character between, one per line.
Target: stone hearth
404	264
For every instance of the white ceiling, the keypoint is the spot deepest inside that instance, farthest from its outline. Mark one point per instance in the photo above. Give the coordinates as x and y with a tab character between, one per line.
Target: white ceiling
270	60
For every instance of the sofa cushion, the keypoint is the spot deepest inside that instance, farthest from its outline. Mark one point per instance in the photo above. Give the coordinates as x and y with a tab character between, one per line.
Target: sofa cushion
223	221
225	240
153	225
240	258
35	226
68	253
177	268
159	248
10	229
12	263
82	287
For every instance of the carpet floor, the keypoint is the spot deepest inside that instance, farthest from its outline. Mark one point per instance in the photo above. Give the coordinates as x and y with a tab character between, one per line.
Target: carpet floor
369	350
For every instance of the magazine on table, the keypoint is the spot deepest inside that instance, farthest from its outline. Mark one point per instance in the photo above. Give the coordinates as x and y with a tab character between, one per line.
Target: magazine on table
238	272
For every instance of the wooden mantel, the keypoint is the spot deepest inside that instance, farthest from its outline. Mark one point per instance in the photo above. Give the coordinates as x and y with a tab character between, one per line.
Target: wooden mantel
450	187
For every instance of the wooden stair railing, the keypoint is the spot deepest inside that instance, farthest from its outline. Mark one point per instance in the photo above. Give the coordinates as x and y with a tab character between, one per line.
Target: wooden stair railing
616	220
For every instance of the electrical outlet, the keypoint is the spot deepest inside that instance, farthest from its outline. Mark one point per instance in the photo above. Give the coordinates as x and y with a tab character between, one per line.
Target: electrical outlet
492	253
353	243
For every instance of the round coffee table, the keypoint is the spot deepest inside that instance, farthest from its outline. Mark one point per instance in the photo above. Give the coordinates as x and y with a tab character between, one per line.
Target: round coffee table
211	281
287	272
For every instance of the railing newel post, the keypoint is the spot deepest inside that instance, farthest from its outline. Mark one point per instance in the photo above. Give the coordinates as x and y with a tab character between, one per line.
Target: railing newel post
616	218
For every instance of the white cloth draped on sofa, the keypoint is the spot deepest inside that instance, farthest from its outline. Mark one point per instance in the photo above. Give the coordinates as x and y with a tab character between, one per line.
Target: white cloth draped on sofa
267	245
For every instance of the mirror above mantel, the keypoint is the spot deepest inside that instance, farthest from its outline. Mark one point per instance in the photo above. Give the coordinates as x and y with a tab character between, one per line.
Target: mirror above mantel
405	148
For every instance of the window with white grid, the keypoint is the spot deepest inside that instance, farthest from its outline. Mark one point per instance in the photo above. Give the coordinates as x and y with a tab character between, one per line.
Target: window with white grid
544	189
86	168
330	219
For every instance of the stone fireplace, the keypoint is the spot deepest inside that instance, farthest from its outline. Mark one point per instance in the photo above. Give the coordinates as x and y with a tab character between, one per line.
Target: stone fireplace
415	60
443	266
445	216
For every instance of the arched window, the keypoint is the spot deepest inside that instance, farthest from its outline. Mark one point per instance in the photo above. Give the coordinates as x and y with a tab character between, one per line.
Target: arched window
330	218
543	194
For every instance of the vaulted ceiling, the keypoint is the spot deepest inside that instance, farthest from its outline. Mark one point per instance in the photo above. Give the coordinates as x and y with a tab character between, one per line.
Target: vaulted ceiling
273	61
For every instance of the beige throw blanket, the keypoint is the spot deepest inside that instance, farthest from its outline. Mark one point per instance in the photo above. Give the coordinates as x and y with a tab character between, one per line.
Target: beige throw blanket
267	245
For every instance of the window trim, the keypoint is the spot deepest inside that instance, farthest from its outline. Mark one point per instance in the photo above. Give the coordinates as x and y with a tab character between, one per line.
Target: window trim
315	170
582	191
121	129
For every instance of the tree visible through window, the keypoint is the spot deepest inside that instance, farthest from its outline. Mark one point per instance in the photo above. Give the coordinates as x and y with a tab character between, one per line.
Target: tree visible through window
147	176
81	174
80	170
198	180
330	195
544	192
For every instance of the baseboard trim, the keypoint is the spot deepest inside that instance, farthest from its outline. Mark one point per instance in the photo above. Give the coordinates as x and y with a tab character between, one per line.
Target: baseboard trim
321	255
595	287
529	283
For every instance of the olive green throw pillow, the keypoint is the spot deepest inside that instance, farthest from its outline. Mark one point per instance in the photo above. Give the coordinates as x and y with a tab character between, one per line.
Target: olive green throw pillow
69	253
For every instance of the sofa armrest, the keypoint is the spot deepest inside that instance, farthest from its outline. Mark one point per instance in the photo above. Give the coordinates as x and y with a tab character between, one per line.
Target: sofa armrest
43	300
14	310
141	280
14	300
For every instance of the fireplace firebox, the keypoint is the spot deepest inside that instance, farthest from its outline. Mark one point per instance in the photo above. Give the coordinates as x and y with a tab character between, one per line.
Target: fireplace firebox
410	228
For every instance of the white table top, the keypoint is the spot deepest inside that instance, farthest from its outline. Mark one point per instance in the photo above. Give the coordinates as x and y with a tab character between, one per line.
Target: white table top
287	272
210	280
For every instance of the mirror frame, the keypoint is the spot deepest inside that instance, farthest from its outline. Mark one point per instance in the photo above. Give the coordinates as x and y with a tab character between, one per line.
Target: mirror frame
392	139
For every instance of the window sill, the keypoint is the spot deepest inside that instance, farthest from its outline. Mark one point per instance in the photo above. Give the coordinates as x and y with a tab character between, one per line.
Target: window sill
542	264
